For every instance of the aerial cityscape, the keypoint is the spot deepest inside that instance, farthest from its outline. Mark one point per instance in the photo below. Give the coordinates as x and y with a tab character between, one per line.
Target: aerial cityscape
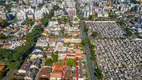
70	39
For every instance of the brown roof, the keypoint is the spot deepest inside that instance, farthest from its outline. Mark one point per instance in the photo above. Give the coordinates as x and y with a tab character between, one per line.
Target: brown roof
79	55
25	66
19	76
6	45
53	40
55	75
45	73
68	74
1	67
57	67
75	32
1	40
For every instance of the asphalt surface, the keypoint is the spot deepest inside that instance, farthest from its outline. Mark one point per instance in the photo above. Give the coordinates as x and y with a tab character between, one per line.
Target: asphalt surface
9	74
88	55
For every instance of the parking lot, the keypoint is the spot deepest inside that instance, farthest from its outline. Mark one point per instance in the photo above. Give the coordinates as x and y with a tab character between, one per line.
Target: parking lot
109	29
119	59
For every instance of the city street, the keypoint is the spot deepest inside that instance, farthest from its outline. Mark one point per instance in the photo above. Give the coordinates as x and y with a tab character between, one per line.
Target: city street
88	56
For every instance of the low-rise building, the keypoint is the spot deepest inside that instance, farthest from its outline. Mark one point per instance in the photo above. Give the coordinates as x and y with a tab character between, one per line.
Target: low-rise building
25	67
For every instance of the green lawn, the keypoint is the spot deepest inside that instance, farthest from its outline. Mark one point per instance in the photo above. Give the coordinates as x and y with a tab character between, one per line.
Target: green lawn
71	62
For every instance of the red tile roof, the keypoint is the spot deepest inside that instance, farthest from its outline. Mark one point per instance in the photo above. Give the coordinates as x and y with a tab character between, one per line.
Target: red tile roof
1	67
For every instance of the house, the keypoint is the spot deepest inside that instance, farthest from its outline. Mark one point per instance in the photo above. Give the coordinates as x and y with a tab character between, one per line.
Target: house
75	33
36	63
60	47
68	74
7	46
15	44
21	15
19	76
71	40
56	68
52	42
2	12
45	73
56	72
59	13
36	55
53	23
32	74
55	76
46	32
2	41
1	68
79	55
42	42
25	67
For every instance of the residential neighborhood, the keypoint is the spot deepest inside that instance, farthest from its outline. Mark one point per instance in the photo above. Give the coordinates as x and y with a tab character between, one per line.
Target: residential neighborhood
70	39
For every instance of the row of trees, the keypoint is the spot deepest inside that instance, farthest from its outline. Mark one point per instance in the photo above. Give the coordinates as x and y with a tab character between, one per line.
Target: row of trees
14	58
28	21
93	57
92	52
129	31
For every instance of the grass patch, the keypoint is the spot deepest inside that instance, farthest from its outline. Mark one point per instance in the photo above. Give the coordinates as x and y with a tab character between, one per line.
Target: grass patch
71	62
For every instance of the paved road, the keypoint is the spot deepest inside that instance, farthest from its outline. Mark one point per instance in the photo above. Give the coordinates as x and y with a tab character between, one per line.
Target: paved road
42	65
9	74
88	56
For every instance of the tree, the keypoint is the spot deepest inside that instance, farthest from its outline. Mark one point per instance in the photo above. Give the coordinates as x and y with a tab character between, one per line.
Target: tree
129	32
44	21
85	28
54	57
91	17
70	23
2	36
27	21
48	62
99	74
92	47
111	15
4	23
65	20
83	42
94	34
40	5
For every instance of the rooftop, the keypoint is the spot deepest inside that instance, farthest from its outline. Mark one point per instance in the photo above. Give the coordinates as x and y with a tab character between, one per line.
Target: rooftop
55	75
1	67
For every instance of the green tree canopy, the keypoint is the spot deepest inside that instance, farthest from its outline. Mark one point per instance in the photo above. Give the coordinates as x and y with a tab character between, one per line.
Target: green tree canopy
99	74
2	36
54	57
95	34
48	62
83	42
